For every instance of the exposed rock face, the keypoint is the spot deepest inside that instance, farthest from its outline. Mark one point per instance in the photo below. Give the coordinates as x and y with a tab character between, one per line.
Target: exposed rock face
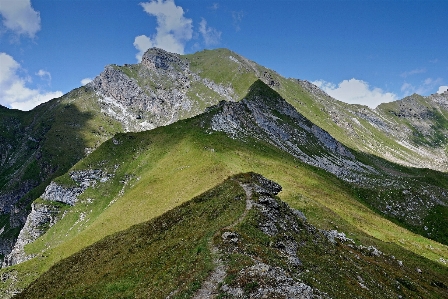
275	121
278	220
42	217
69	195
152	93
160	59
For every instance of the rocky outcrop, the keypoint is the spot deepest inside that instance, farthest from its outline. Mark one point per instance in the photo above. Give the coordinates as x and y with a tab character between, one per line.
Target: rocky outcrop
280	222
69	195
153	93
45	213
156	96
157	59
43	216
268	117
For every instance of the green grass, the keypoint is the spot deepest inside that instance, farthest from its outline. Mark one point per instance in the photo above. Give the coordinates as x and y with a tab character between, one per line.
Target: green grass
153	172
170	255
167	166
152	259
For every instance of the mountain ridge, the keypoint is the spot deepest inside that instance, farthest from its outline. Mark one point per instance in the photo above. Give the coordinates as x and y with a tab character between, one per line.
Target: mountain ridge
261	119
228	222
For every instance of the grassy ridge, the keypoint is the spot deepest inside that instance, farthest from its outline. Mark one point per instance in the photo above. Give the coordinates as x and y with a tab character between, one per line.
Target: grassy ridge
162	168
156	171
148	260
170	255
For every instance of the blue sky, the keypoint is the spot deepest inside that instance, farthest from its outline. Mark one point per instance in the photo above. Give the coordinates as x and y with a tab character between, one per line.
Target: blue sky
364	52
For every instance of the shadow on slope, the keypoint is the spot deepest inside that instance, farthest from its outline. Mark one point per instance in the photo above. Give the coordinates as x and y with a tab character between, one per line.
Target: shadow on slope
152	172
38	146
235	240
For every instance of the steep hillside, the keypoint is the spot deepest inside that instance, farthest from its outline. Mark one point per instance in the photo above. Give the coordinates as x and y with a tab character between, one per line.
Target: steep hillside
237	240
135	177
44	143
39	145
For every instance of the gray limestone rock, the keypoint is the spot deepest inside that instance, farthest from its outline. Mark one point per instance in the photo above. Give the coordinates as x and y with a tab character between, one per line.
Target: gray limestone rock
42	216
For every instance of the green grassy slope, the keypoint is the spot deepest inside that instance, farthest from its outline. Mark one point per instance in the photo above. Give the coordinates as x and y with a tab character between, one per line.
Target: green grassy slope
158	170
171	256
45	143
153	172
356	126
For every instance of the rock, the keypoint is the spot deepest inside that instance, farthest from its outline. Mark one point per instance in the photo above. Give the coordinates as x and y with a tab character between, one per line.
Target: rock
41	217
230	237
256	117
276	284
68	195
334	235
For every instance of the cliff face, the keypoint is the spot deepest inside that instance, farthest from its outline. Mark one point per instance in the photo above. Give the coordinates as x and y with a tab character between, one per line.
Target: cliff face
153	93
264	115
42	216
45	212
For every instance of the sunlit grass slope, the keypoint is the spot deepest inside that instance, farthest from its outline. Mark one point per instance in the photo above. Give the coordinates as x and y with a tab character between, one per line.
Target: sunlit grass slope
150	260
170	255
158	170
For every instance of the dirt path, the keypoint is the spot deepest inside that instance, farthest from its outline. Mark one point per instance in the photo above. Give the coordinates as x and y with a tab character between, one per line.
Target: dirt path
209	288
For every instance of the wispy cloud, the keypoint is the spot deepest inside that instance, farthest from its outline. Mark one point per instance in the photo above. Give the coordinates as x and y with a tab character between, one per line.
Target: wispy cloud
13	90
355	91
210	35
426	86
20	17
173	28
214	6
237	18
44	75
413	72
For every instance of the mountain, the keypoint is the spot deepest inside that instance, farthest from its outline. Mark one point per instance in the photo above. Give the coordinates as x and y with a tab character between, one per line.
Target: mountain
96	171
236	240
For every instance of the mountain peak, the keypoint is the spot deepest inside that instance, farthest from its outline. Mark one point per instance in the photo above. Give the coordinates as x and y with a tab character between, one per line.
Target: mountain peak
161	59
260	88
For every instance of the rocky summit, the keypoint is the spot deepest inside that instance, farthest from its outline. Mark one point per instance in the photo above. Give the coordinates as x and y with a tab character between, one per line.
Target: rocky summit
131	166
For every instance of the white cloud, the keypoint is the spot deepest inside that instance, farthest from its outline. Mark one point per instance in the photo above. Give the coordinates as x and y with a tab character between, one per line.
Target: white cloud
413	72
211	35
20	17
142	43
214	6
173	29
355	91
425	87
237	18
44	75
13	90
442	89
86	81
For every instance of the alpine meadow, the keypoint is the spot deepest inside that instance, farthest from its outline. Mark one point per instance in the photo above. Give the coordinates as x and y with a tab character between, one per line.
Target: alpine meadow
207	175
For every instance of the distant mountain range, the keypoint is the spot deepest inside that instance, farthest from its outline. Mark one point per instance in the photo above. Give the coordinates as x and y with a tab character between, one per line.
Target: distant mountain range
127	149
